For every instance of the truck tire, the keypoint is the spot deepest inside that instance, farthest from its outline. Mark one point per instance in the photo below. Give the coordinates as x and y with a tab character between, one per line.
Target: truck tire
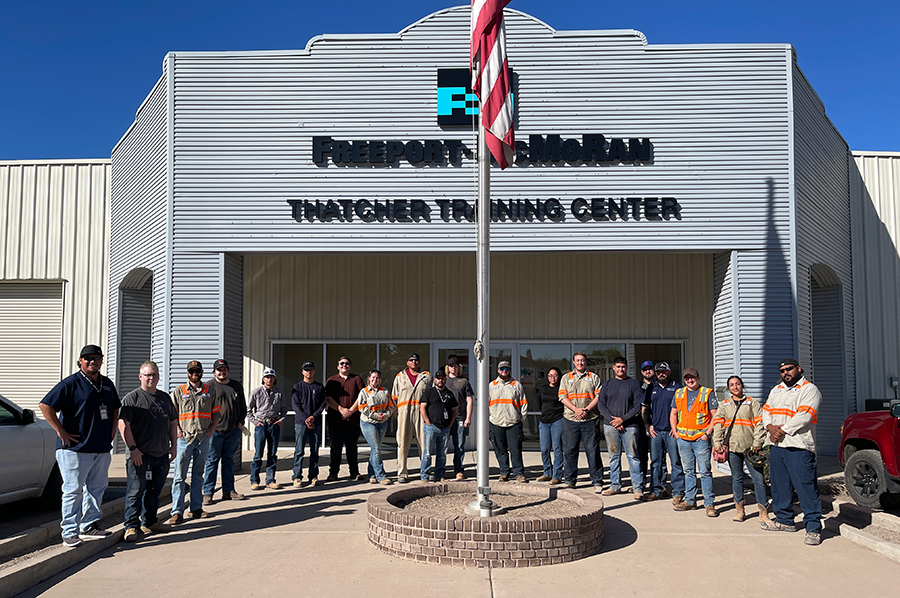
866	478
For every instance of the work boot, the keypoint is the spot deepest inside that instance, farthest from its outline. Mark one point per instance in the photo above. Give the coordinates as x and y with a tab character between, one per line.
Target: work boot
711	511
683	506
543	478
739	514
175	519
131	534
764	520
207	500
273	486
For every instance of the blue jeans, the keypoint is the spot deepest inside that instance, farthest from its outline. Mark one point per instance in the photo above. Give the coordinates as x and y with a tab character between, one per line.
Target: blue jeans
736	462
585	432
221	448
265	437
302	437
85	477
615	442
141	494
374	435
695	456
435	444
794	470
551	440
458	434
195	453
660	446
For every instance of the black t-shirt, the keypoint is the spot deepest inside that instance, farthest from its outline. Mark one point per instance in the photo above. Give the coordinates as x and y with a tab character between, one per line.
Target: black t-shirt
149	416
461	389
234	406
549	405
438	404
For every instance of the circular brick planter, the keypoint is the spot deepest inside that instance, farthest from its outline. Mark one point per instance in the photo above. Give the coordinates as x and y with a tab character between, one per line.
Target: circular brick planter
500	541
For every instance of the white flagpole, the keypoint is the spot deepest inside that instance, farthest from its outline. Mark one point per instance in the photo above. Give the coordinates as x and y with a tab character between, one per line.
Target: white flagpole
483	261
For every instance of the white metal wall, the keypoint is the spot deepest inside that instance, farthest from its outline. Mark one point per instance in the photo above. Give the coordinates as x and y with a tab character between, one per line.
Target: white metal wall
54	227
432	297
875	201
139	219
823	234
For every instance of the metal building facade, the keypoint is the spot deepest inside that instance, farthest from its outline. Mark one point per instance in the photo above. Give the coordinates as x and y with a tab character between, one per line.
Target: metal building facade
225	141
54	267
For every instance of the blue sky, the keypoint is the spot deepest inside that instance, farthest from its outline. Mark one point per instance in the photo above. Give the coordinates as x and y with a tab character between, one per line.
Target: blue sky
75	72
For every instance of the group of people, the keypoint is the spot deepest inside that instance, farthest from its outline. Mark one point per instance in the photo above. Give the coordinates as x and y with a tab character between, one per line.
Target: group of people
199	425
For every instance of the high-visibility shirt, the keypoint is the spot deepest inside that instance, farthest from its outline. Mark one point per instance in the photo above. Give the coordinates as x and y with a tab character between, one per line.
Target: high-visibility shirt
747	430
371	402
195	410
796	410
407	396
508	405
581	390
693	421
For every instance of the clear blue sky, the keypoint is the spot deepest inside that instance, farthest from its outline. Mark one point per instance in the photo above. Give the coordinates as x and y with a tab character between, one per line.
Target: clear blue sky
74	73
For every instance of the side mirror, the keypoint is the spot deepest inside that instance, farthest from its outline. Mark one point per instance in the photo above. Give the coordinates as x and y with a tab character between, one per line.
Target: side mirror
27	416
895	409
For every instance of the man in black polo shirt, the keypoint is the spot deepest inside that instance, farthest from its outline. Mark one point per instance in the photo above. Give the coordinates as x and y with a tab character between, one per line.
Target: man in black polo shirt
148	423
89	406
438	409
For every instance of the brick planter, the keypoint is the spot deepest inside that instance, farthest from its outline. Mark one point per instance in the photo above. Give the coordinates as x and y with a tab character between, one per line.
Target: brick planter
501	541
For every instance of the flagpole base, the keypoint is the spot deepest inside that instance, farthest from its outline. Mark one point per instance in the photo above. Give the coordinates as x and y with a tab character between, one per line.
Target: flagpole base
483	506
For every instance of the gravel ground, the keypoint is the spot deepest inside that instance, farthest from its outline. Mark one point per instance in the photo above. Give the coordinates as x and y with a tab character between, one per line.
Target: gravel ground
517	505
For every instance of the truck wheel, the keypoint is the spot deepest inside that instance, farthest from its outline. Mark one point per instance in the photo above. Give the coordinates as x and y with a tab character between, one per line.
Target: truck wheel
866	478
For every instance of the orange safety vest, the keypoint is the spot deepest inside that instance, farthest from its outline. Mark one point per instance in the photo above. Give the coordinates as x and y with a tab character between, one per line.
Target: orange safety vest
693	422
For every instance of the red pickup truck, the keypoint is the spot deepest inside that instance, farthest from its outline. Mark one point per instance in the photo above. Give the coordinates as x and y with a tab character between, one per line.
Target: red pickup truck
870	454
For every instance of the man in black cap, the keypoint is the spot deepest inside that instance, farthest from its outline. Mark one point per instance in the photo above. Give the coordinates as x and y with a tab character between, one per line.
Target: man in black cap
465	398
409	386
308	401
789	417
229	395
89	407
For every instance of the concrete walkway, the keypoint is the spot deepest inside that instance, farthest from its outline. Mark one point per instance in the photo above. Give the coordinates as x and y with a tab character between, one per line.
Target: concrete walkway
312	542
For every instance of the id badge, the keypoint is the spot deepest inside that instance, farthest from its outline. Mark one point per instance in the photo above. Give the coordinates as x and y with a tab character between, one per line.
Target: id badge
148	475
103	412
446	414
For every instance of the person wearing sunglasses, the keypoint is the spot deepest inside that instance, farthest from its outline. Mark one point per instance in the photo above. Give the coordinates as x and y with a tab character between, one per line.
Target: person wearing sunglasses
407	390
341	391
198	416
691	419
88	407
507	409
789	417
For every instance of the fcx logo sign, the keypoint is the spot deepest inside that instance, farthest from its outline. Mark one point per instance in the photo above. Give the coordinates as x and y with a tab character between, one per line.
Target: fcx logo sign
457	104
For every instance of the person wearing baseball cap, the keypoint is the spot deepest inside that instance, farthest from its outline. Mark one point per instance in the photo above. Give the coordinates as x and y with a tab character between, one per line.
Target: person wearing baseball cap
692	413
409	386
88	407
459	429
648	379
789	416
507	408
656	411
266	411
198	415
308	400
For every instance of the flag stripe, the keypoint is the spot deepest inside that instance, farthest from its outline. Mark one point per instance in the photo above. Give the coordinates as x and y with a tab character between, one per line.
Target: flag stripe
490	77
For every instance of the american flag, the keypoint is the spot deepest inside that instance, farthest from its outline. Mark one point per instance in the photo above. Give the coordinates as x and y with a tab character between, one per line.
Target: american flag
490	77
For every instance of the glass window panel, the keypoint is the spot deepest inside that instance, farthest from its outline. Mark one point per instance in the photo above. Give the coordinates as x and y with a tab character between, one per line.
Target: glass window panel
393	358
668	352
600	357
287	361
362	358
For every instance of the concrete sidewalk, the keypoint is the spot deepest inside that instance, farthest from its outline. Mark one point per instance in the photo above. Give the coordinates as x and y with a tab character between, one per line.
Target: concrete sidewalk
312	542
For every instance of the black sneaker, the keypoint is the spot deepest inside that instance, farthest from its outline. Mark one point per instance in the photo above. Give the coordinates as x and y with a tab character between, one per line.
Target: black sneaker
72	542
94	533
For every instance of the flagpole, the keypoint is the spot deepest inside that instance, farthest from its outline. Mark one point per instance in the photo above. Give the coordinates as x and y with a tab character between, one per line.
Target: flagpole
483	262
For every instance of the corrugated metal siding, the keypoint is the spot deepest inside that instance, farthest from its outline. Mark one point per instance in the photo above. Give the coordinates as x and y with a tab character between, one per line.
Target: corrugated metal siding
138	218
875	194
829	361
233	314
31	314
54	226
432	297
723	318
197	326
717	115
821	182
134	335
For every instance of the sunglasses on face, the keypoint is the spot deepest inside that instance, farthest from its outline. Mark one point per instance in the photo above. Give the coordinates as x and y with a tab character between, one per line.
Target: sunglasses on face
195	371
503	369
787	369
92	357
416	360
690	377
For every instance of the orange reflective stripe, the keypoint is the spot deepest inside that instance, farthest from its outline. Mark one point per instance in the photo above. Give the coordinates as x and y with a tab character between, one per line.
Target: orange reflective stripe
406	403
504	401
195	414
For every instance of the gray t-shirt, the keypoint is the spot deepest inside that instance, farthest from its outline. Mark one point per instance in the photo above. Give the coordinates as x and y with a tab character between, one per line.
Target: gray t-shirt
713	402
461	389
149	416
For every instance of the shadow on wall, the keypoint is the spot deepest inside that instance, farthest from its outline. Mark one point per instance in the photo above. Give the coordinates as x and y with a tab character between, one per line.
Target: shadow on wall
876	274
779	312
